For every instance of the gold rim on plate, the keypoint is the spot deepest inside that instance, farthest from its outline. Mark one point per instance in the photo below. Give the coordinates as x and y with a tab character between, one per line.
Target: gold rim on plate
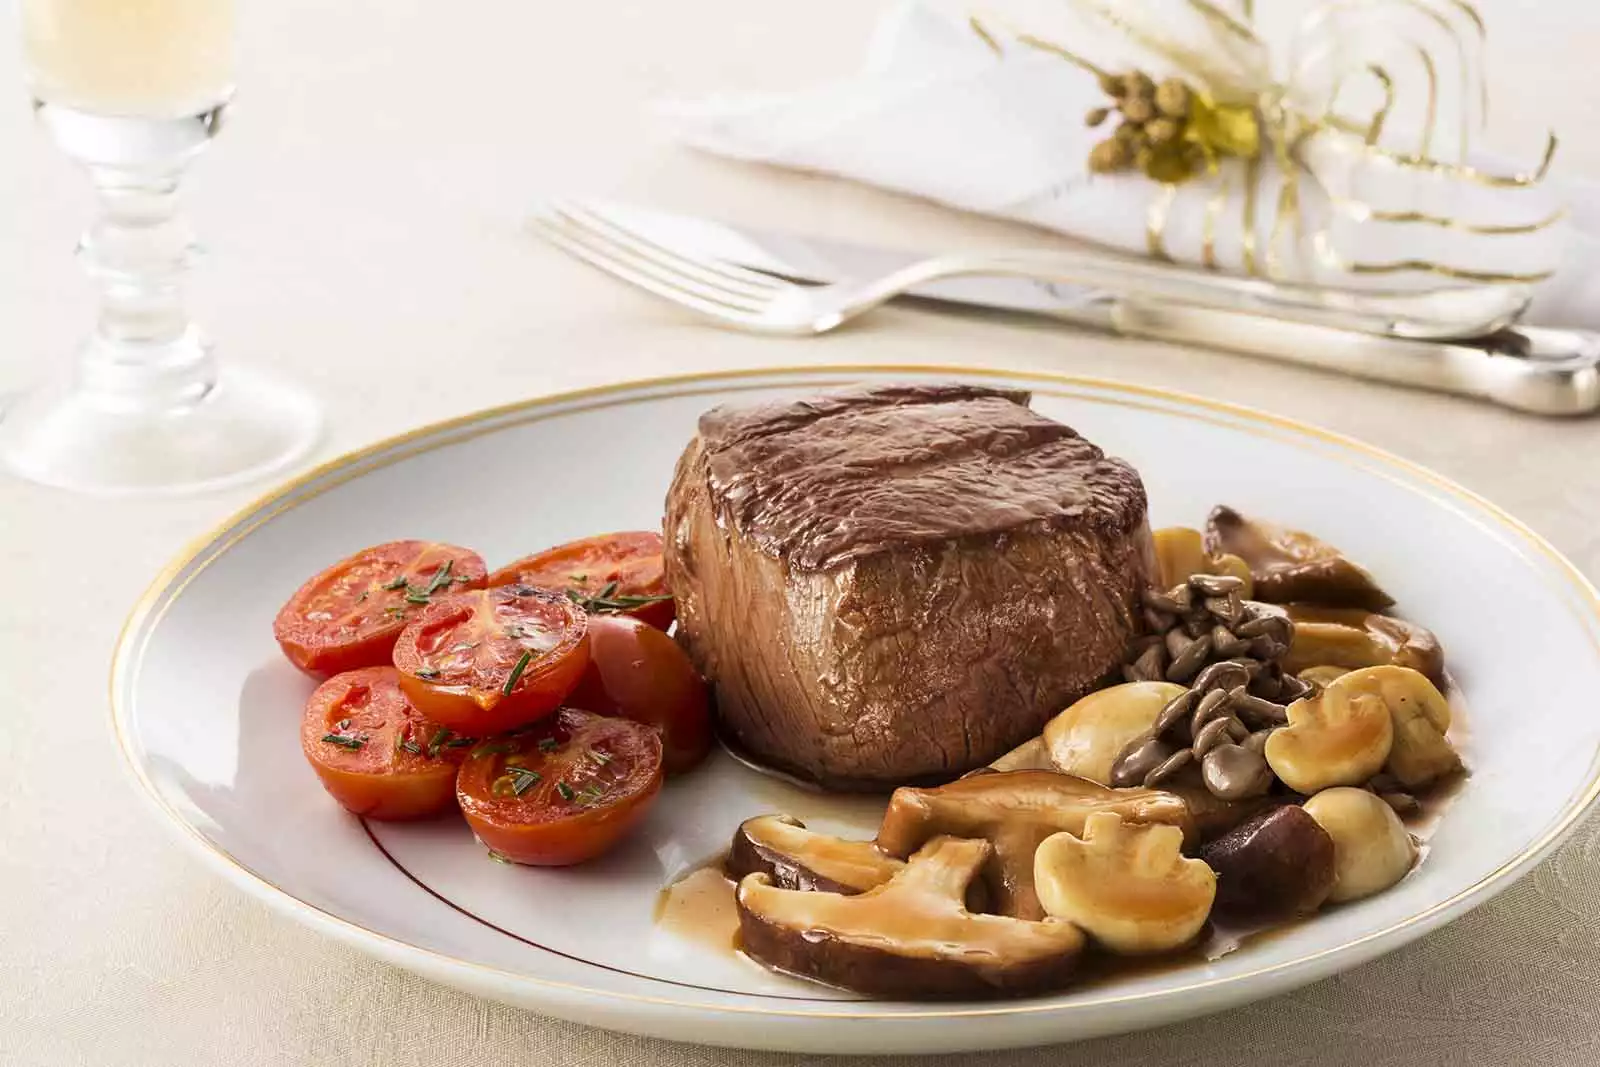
163	592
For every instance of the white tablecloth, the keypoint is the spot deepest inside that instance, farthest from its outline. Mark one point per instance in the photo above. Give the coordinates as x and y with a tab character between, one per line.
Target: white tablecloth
364	211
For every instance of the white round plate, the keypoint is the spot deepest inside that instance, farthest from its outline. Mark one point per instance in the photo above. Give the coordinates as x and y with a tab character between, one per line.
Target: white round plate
206	711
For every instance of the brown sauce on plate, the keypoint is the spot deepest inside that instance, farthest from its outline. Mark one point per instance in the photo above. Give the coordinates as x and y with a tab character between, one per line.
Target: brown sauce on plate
700	906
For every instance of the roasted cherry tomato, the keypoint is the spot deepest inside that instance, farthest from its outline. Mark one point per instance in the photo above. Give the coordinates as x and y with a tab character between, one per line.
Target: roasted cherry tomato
350	615
563	790
374	752
493	659
640	673
619	573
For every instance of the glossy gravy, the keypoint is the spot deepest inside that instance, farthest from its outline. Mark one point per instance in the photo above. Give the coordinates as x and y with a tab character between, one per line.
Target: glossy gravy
700	905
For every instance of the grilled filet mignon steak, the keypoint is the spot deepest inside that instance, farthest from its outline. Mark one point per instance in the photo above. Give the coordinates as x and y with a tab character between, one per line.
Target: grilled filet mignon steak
899	583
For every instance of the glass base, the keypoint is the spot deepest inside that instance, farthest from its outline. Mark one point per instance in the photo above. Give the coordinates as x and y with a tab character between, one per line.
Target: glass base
244	426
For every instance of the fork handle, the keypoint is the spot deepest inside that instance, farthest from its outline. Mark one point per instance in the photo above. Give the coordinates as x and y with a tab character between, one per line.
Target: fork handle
1542	371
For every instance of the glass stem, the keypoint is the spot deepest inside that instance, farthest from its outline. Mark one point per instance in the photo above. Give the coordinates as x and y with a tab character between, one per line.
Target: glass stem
145	353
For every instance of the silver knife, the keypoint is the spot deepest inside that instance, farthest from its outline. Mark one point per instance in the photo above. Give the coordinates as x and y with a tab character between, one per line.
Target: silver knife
1527	368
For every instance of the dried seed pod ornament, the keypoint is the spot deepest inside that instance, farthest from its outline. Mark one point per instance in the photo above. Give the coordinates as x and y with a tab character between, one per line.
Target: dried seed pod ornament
1170	131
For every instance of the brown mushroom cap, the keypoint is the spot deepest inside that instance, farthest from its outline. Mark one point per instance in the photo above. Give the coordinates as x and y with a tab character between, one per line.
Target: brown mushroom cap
1279	863
1356	638
911	936
793	857
1291	565
1015	811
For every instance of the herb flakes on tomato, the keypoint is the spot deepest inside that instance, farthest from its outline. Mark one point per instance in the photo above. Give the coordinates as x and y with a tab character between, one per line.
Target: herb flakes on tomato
615	573
350	615
493	659
361	736
562	790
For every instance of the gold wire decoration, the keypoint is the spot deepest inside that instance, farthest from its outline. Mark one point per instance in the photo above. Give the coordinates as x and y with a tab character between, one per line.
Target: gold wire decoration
1215	204
1155	222
1239	110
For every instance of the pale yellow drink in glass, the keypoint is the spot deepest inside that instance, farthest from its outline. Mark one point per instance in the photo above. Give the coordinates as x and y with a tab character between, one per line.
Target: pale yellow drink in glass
151	58
134	90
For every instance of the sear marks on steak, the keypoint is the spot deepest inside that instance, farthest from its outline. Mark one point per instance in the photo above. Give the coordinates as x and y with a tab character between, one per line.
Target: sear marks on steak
899	583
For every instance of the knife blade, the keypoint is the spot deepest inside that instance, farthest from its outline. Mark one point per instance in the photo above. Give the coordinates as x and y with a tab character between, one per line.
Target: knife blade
1542	371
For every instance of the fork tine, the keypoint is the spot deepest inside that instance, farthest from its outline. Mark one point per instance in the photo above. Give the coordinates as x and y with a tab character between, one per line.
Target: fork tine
565	238
725	275
663	270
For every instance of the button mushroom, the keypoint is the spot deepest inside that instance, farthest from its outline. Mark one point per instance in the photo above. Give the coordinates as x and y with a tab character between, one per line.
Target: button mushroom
1371	848
1278	864
793	857
1290	565
1014	811
1087	738
1129	887
1420	754
1339	736
1322	674
1031	755
1353	638
1181	553
911	936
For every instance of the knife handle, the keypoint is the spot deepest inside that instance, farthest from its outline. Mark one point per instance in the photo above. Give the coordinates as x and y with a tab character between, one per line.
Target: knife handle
1546	372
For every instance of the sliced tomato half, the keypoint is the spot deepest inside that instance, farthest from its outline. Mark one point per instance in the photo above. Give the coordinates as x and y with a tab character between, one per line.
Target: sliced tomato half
350	614
615	573
376	753
561	791
493	659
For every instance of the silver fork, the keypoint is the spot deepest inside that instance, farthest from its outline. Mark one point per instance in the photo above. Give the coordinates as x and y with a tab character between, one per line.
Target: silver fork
762	303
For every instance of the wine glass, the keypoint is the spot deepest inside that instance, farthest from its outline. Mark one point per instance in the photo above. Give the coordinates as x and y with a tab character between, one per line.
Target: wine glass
133	90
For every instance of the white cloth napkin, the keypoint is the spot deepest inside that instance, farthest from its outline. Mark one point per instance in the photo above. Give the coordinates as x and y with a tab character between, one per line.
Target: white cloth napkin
938	114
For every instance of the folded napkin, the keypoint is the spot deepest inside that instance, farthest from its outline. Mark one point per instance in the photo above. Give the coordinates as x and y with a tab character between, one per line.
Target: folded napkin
939	112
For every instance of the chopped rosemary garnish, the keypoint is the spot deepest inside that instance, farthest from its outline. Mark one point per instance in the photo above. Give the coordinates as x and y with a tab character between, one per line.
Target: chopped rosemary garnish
461	742
427	672
343	724
414	597
599	757
396	610
548	744
351	743
410	746
565	790
579	577
493	748
498	858
398	583
436	741
441	577
591	794
523	779
516	672
609	602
